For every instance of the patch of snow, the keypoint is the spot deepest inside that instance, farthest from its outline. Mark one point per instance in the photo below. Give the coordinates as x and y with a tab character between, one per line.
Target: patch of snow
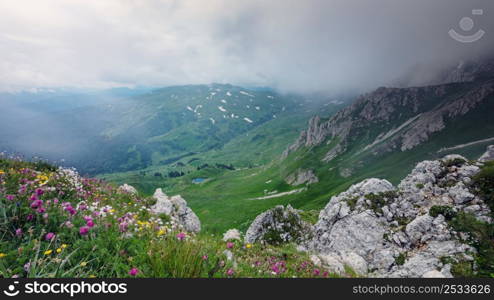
221	108
189	108
258	108
248	120
223	101
212	120
270	97
228	94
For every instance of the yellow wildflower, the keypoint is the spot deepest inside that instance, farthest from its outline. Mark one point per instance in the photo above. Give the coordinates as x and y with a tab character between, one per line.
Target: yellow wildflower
92	276
42	179
83	264
2	255
161	232
48	252
59	250
248	246
2	172
64	246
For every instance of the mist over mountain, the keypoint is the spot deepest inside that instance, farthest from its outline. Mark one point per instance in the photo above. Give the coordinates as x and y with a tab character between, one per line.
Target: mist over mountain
297	46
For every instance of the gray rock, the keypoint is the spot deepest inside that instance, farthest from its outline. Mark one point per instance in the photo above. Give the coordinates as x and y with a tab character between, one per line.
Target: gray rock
361	233
127	189
488	155
278	225
232	234
302	177
418	227
336	262
433	274
178	211
333	262
460	194
403	226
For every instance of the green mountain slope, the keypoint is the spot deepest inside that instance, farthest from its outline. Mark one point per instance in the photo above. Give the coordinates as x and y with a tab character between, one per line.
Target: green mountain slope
382	134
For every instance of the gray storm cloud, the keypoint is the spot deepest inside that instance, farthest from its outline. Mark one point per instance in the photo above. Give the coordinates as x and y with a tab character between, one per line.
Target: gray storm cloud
301	46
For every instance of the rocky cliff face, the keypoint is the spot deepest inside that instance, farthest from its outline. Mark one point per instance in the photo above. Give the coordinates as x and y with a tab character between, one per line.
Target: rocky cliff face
383	224
301	176
398	119
385	231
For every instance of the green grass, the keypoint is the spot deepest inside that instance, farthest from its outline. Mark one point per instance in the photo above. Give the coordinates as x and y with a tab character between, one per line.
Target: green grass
125	237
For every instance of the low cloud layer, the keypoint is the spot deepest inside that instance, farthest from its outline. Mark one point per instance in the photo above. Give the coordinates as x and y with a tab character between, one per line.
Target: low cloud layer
293	45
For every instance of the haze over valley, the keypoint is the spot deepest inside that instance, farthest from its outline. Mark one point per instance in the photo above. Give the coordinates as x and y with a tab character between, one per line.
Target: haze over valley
363	122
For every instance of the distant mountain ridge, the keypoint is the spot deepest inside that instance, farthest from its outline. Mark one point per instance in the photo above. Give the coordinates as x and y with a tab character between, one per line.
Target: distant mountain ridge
400	119
127	130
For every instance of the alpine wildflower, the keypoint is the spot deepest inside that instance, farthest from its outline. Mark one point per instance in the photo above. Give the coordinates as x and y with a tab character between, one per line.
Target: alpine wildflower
49	236
84	230
181	236
133	272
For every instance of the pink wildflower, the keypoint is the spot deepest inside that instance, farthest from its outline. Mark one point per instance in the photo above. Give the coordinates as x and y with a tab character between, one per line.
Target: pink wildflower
181	236
230	245
36	203
133	272
39	192
84	230
49	236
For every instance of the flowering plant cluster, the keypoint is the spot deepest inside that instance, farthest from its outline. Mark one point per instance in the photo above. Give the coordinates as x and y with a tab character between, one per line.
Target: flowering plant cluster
55	223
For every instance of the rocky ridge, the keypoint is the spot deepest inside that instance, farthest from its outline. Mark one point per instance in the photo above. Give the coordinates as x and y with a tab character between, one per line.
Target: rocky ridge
380	230
404	117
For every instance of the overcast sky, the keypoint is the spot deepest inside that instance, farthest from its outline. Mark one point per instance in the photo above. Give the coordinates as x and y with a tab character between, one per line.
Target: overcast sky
293	45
